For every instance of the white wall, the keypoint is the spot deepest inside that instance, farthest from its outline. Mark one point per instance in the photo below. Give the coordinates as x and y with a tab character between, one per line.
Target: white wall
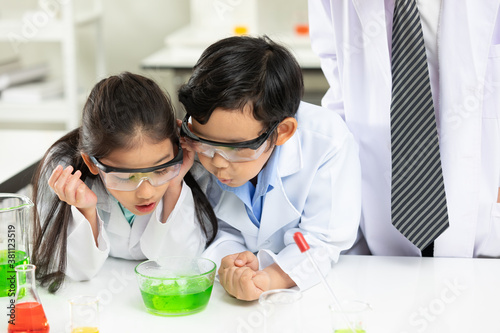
134	29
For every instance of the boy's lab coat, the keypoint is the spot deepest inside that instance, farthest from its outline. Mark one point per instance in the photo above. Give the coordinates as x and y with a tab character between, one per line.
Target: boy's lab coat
318	193
351	38
147	238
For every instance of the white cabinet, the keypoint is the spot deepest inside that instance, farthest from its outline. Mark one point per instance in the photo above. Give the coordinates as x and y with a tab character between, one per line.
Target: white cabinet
53	21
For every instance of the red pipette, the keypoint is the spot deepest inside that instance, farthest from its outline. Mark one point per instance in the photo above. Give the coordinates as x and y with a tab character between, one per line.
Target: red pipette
304	247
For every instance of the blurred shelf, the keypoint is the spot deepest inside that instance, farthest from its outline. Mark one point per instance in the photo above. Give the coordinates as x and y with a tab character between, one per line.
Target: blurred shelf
50	111
15	30
61	28
184	46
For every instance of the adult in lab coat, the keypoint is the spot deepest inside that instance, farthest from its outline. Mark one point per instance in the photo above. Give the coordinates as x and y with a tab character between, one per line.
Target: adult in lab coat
316	191
462	38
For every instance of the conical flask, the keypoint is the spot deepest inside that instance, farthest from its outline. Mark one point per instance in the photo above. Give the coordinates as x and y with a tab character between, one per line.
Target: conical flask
28	315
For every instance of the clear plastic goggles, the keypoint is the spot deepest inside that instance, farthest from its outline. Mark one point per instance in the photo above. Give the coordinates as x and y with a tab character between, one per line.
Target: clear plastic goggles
231	151
228	153
130	179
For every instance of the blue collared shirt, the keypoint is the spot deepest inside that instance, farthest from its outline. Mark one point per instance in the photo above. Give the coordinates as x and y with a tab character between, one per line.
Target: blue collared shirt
253	196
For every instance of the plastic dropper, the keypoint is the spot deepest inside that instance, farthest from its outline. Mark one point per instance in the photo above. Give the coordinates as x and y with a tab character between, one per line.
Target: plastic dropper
303	247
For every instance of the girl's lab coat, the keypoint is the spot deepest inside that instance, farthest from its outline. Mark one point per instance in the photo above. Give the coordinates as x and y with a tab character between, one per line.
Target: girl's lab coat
146	238
351	37
317	193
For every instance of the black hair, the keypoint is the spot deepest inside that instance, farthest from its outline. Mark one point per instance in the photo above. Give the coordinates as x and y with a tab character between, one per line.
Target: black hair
237	71
119	108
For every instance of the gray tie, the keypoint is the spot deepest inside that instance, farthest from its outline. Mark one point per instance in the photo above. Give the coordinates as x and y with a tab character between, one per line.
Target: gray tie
418	200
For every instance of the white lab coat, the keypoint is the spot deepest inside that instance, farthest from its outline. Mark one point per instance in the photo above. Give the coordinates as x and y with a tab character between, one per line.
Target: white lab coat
351	38
319	194
147	238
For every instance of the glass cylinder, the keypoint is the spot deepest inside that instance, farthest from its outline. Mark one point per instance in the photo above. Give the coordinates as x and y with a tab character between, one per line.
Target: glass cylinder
15	215
84	314
28	314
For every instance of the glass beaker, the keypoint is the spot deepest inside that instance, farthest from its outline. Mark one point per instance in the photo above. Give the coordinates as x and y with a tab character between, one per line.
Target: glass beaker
84	314
355	312
15	214
282	312
28	314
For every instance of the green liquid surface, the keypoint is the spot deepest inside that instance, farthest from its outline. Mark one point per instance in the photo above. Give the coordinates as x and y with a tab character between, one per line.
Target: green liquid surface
173	299
8	261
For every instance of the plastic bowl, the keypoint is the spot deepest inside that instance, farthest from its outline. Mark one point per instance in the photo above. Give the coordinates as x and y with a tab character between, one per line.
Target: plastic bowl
176	286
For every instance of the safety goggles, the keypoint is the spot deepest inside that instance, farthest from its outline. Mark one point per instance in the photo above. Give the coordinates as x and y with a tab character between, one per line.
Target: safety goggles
121	179
231	151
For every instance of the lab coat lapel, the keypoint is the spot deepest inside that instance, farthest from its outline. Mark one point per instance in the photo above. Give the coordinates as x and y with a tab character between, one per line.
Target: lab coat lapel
366	9
369	39
110	212
232	211
461	100
277	210
367	72
116	223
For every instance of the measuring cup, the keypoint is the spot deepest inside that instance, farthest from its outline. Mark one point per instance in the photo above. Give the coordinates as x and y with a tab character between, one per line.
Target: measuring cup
282	312
355	312
15	214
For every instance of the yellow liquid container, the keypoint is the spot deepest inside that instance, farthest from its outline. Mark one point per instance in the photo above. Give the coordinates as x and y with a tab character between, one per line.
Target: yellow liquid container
85	330
240	30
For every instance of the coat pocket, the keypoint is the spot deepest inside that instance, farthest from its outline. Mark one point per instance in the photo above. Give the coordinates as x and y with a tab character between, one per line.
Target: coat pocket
491	246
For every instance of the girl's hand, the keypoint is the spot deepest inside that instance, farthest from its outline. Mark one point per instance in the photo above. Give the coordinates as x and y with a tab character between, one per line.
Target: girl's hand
71	189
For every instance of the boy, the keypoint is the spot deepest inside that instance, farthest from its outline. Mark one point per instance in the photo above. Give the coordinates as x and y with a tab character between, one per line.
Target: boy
275	165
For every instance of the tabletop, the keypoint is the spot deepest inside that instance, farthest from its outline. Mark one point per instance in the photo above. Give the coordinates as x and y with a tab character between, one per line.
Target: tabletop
407	294
21	149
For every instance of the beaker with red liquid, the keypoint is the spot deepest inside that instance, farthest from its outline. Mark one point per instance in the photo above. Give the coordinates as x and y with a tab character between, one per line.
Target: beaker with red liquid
28	315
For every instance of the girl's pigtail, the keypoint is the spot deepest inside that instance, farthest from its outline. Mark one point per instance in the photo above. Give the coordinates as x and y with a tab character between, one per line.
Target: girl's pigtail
51	215
204	211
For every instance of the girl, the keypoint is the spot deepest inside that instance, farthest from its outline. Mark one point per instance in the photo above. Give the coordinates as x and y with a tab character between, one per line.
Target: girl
121	192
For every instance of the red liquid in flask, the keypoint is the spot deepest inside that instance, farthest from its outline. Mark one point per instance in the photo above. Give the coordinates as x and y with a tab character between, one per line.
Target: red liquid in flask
29	318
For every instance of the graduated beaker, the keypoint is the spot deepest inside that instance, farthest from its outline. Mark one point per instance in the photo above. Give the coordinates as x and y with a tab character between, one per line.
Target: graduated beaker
15	214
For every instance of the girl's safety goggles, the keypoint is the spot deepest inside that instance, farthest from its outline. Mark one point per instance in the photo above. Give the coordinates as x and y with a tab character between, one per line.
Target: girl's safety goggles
231	151
121	179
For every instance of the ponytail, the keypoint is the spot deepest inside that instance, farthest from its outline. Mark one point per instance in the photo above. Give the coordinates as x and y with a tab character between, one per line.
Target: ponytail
203	209
51	215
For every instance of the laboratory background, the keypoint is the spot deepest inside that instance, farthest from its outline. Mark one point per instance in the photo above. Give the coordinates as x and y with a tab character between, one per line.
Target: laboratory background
65	46
53	51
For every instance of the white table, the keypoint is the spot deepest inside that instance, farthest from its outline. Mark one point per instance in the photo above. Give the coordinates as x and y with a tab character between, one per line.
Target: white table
407	295
20	151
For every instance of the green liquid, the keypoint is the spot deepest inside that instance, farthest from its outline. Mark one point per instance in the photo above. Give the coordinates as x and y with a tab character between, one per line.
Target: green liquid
8	261
346	330
172	299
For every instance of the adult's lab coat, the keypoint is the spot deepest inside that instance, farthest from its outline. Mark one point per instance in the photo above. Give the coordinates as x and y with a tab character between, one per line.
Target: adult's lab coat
147	238
318	192
351	38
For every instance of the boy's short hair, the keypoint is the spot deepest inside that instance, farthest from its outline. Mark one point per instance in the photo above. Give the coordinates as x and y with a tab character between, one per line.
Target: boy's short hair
239	70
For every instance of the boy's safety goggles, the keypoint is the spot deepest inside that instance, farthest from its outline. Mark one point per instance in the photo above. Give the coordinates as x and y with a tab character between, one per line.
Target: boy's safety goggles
231	151
130	179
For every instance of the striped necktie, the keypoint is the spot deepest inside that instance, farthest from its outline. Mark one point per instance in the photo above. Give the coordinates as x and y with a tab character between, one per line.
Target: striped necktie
418	200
